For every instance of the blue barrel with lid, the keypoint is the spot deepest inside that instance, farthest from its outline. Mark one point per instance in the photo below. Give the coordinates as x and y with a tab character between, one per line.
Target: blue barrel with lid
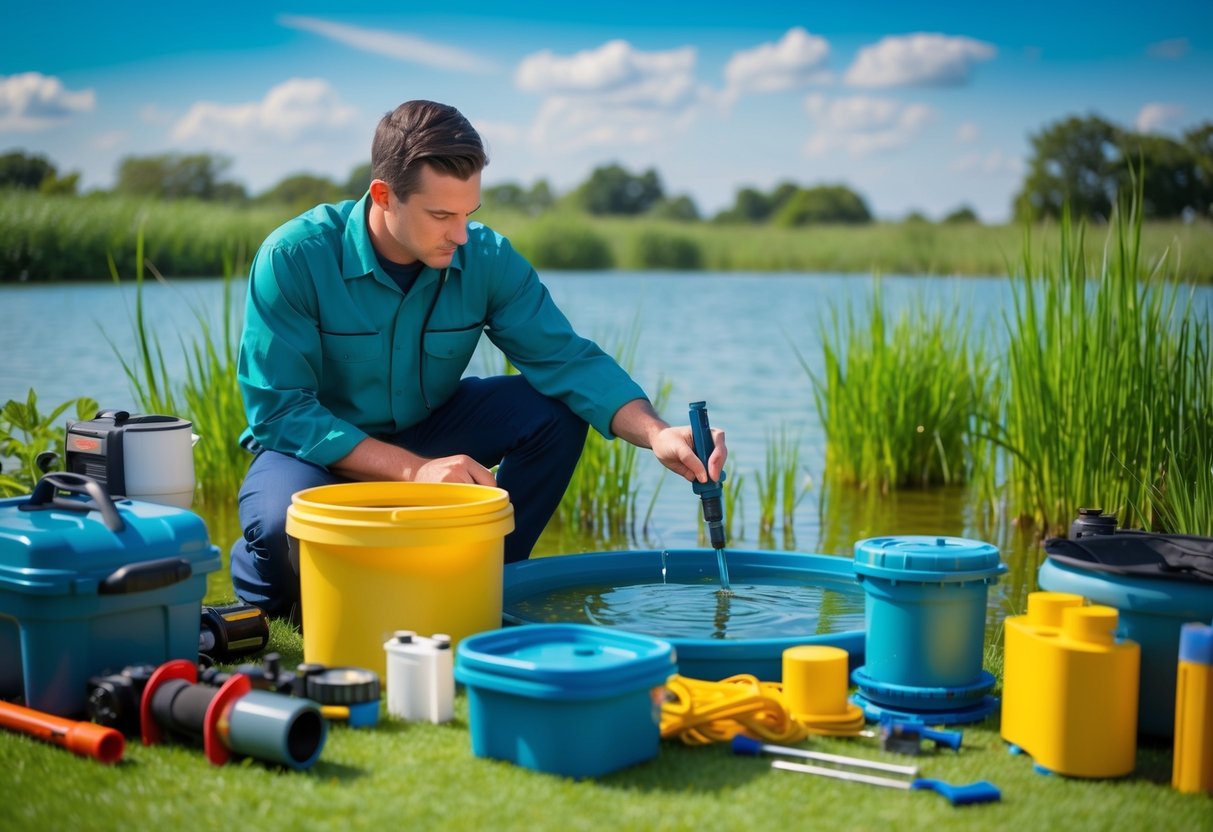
925	610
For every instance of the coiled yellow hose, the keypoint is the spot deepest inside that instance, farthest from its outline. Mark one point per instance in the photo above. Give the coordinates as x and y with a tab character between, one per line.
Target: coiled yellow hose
699	712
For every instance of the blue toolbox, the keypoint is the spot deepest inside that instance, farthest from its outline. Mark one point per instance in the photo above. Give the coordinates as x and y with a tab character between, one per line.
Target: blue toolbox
90	585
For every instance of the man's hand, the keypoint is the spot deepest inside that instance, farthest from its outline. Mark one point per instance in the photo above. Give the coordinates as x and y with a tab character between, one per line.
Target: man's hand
374	460
639	424
675	449
460	468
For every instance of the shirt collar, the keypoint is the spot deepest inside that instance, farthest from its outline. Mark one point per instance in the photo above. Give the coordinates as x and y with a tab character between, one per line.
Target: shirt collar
358	253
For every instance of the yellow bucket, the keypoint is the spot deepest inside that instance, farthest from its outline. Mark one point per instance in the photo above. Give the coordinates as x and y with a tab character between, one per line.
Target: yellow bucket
376	557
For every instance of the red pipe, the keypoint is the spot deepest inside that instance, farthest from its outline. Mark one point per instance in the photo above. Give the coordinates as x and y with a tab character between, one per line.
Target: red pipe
84	738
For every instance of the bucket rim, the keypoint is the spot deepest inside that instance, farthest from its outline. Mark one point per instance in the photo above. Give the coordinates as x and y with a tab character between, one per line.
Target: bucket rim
438	500
398	521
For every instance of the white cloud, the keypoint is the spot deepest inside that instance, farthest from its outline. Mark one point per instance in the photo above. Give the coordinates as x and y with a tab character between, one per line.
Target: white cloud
294	110
1169	50
798	58
921	59
33	101
614	68
992	163
1157	116
396	45
861	125
967	133
610	95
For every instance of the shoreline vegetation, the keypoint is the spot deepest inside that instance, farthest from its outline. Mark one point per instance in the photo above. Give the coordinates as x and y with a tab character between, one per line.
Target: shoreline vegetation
55	238
1097	391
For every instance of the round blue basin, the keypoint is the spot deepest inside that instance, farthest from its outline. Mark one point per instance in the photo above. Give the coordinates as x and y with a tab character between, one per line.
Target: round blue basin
705	657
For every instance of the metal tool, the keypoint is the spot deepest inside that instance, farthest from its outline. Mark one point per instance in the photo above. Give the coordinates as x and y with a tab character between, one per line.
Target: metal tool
711	493
907	779
904	735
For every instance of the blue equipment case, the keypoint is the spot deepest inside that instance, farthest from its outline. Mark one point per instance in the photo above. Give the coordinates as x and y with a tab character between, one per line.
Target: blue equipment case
90	585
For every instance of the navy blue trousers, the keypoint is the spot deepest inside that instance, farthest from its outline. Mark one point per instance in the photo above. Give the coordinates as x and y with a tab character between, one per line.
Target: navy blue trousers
500	420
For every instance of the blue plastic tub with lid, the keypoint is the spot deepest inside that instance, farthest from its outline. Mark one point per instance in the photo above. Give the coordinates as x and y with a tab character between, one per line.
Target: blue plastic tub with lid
925	619
569	699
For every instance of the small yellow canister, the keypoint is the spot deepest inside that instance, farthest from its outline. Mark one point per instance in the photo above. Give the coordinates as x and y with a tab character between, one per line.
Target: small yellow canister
815	680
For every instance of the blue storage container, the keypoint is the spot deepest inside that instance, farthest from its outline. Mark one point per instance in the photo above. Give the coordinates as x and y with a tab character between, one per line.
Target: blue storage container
1152	607
568	699
89	585
926	609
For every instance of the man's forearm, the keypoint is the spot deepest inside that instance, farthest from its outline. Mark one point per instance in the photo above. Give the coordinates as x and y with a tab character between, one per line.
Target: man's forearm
636	422
373	459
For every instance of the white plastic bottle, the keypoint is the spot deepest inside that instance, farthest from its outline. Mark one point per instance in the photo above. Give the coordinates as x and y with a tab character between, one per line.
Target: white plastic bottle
420	677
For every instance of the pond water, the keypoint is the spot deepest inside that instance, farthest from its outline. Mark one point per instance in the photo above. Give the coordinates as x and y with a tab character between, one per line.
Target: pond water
772	609
736	341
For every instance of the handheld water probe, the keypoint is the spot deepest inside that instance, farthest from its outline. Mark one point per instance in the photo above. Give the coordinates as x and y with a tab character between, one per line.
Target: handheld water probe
711	494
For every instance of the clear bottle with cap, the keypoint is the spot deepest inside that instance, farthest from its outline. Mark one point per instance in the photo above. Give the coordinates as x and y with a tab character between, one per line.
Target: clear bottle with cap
420	677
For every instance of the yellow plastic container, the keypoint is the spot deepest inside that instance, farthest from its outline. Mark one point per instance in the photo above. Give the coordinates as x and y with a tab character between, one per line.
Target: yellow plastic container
377	557
1192	769
815	680
1069	688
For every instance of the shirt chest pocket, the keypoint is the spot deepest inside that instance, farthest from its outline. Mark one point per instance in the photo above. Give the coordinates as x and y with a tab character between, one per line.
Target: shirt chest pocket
351	349
454	345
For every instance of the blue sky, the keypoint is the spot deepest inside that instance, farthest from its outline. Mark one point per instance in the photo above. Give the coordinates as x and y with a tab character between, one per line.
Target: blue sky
916	106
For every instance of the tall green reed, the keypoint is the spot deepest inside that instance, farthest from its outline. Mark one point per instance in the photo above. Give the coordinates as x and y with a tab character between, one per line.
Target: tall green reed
779	483
603	495
899	400
208	395
1109	386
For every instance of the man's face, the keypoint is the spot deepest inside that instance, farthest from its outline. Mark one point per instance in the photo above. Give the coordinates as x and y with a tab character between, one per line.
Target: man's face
432	221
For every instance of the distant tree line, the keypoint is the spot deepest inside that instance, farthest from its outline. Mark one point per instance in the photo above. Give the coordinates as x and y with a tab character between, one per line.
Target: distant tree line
1086	162
1082	162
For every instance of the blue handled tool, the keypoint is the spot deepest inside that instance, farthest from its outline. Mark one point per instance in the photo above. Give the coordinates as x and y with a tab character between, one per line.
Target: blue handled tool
979	792
905	735
711	493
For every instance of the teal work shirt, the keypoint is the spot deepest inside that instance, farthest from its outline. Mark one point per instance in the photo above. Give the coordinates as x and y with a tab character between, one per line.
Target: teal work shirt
332	351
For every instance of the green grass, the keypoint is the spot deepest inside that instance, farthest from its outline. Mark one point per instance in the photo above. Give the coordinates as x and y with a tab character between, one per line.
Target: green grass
881	248
399	775
67	238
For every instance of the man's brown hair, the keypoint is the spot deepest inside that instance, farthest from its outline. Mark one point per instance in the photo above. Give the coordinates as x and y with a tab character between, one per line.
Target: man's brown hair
424	132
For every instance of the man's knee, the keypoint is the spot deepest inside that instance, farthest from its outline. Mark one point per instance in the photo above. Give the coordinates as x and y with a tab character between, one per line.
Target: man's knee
264	565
